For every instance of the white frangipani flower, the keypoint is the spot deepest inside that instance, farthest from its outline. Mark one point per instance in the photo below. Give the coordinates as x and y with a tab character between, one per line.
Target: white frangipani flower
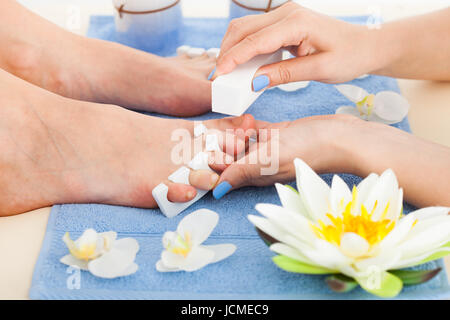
102	254
360	233
184	250
386	106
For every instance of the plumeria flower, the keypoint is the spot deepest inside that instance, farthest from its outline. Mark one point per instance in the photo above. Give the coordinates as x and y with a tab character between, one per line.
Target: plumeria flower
359	235
183	248
386	106
102	254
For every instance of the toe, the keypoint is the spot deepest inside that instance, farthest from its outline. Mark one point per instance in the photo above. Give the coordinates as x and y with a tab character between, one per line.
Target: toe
179	192
203	179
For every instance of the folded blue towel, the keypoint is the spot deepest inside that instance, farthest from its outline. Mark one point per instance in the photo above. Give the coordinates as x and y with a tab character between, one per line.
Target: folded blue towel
249	273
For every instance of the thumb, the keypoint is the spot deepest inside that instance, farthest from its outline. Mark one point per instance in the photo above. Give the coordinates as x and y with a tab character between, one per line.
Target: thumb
238	174
296	69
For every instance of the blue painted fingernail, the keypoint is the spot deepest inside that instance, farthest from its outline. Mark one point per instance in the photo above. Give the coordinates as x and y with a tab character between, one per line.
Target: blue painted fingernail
221	190
212	73
260	82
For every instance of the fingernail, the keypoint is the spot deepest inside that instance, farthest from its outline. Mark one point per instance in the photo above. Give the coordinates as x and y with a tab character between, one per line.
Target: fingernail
221	190
189	195
212	73
260	82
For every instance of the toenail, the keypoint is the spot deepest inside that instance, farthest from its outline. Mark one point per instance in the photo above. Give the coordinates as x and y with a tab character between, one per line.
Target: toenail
189	195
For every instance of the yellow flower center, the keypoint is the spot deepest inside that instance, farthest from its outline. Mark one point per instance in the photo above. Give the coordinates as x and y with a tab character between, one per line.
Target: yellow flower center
361	224
181	246
368	102
85	252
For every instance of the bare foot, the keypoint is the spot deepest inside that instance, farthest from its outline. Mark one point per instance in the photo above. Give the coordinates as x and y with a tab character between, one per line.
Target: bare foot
99	71
59	150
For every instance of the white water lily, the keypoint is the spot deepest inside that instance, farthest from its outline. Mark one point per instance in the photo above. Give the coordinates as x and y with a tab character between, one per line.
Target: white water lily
102	254
360	233
184	250
386	106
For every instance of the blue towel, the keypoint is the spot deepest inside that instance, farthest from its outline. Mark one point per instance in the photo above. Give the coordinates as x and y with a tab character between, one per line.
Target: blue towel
249	273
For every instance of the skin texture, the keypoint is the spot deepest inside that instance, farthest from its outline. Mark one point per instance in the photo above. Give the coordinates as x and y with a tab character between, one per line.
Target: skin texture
333	51
60	150
93	70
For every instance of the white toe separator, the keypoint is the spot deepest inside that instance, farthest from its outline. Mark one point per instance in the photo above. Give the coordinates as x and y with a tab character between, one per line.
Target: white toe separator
182	49
199	162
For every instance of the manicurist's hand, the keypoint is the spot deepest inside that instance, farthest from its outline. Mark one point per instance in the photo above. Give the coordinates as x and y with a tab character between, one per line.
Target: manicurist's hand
326	49
342	144
333	51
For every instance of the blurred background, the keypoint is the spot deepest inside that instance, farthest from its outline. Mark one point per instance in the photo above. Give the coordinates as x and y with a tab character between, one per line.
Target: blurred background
74	14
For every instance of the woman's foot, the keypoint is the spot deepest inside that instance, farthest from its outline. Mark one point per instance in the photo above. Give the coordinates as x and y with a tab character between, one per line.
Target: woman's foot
59	150
99	71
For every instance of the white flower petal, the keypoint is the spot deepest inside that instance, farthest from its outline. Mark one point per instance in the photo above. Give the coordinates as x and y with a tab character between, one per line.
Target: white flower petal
221	251
133	268
349	110
127	244
162	268
397	234
89	236
267	227
385	260
340	195
374	118
290	252
391	106
430	212
290	199
433	237
313	190
353	245
353	93
172	260
297	225
404	263
327	255
115	263
72	261
293	86
197	259
365	187
108	239
383	192
199	225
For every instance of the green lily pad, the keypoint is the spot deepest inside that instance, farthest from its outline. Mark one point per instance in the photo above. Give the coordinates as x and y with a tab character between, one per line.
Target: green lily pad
385	285
411	277
292	188
291	265
341	283
438	255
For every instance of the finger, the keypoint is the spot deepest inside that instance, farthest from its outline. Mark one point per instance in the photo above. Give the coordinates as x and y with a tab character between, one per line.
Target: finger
233	132
219	161
179	192
313	67
236	175
203	179
267	40
239	28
